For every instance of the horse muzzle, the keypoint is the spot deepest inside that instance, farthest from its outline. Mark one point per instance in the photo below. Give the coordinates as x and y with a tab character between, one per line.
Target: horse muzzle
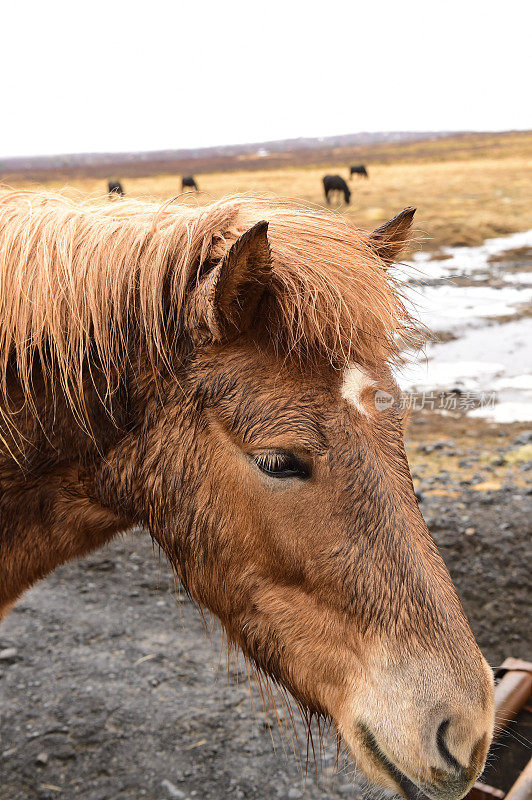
424	734
451	783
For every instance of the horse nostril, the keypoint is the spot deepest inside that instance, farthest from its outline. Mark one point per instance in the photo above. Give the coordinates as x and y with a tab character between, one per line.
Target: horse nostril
447	756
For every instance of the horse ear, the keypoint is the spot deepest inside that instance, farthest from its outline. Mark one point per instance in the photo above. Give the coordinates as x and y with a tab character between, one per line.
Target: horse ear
389	239
225	300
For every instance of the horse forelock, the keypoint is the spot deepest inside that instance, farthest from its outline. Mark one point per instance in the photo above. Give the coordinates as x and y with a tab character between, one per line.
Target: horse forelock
80	280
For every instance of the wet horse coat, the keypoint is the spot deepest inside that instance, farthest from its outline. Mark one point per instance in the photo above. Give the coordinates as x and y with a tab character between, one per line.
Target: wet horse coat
211	375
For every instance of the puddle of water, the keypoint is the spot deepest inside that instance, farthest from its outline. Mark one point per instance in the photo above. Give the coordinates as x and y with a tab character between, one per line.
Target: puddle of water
445	308
486	357
464	260
522	278
507	411
489	358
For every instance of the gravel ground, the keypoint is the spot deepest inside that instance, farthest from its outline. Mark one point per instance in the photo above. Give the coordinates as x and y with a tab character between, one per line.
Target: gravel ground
116	690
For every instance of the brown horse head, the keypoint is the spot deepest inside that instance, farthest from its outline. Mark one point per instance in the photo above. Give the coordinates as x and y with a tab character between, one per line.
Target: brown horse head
248	434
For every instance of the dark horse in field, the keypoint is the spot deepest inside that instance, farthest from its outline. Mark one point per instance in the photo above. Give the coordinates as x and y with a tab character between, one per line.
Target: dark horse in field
213	374
335	183
360	169
115	189
188	182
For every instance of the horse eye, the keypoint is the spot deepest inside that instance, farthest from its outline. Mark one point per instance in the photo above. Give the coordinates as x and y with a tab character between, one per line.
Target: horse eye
281	464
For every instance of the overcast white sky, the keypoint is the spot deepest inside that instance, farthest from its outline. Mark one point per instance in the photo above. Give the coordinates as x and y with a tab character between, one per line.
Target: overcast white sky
109	76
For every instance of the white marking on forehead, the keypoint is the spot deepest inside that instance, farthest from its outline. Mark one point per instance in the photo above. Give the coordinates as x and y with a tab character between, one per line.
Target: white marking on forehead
355	380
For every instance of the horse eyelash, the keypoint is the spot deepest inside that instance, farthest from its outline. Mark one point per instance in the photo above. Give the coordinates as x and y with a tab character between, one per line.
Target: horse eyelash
272	461
276	462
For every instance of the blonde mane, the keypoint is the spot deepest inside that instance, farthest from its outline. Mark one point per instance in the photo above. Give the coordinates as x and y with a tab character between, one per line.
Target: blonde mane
81	281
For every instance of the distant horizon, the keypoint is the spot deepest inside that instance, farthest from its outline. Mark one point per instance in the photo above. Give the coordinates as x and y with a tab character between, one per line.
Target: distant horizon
259	142
118	78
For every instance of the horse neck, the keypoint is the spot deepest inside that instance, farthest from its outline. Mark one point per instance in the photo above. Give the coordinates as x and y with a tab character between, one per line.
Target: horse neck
70	491
46	519
51	508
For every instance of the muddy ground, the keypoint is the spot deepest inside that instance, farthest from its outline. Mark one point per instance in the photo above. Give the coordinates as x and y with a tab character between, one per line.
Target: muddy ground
117	692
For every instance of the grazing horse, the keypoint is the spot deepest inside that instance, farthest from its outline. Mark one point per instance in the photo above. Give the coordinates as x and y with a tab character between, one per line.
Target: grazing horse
213	374
187	181
335	183
115	189
358	170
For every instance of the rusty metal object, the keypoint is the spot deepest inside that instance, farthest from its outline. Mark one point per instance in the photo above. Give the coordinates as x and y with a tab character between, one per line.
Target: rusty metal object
481	791
511	695
512	692
522	788
514	663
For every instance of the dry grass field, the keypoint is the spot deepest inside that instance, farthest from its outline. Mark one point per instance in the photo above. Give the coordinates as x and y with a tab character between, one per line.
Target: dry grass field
466	188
